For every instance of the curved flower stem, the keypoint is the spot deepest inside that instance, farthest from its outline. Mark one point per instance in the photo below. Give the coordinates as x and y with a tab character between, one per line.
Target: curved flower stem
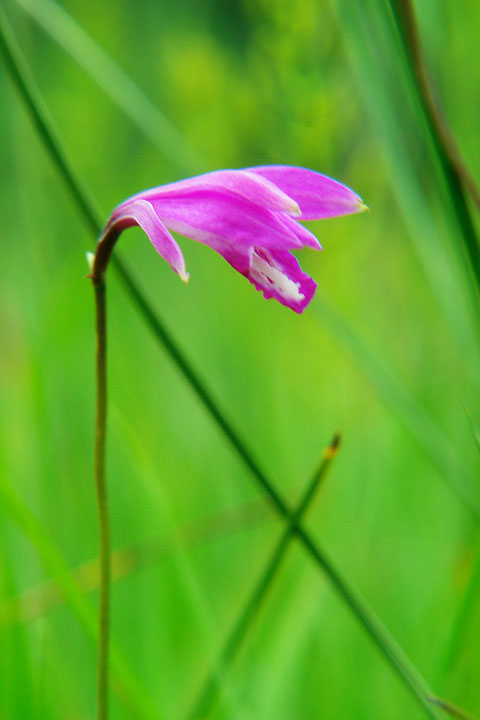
99	265
102	499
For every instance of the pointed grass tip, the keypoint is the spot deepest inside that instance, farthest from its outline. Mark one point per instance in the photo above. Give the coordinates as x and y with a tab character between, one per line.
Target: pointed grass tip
332	449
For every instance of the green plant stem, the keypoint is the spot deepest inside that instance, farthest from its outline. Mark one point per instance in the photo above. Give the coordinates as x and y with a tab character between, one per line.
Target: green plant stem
102	499
457	176
363	613
203	704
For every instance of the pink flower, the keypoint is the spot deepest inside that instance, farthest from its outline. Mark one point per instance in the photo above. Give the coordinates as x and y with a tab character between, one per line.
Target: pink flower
249	216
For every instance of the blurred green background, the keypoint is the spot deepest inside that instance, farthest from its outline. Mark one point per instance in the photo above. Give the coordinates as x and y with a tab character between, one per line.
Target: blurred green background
387	353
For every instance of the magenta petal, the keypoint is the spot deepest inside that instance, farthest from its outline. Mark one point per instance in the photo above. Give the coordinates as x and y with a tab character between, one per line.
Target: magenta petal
234	183
142	213
248	216
317	195
210	217
276	273
306	237
279	275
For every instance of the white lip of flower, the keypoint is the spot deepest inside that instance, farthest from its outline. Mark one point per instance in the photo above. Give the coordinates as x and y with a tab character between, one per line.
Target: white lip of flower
261	270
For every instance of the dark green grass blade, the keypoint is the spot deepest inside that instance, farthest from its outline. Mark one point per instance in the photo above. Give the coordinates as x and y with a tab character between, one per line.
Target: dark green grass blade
374	627
45	126
203	704
403	14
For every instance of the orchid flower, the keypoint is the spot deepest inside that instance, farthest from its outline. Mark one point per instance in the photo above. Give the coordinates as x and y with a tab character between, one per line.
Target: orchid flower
249	216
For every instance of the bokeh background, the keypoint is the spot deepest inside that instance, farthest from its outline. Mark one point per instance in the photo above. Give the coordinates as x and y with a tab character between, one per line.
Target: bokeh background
387	353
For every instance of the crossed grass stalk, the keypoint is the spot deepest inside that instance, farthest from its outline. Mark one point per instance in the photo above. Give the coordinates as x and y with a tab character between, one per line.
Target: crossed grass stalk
204	702
373	626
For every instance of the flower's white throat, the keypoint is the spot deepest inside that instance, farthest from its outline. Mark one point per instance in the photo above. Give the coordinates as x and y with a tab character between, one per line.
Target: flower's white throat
262	268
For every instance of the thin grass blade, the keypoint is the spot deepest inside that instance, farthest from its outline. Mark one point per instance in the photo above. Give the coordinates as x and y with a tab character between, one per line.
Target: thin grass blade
404	15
